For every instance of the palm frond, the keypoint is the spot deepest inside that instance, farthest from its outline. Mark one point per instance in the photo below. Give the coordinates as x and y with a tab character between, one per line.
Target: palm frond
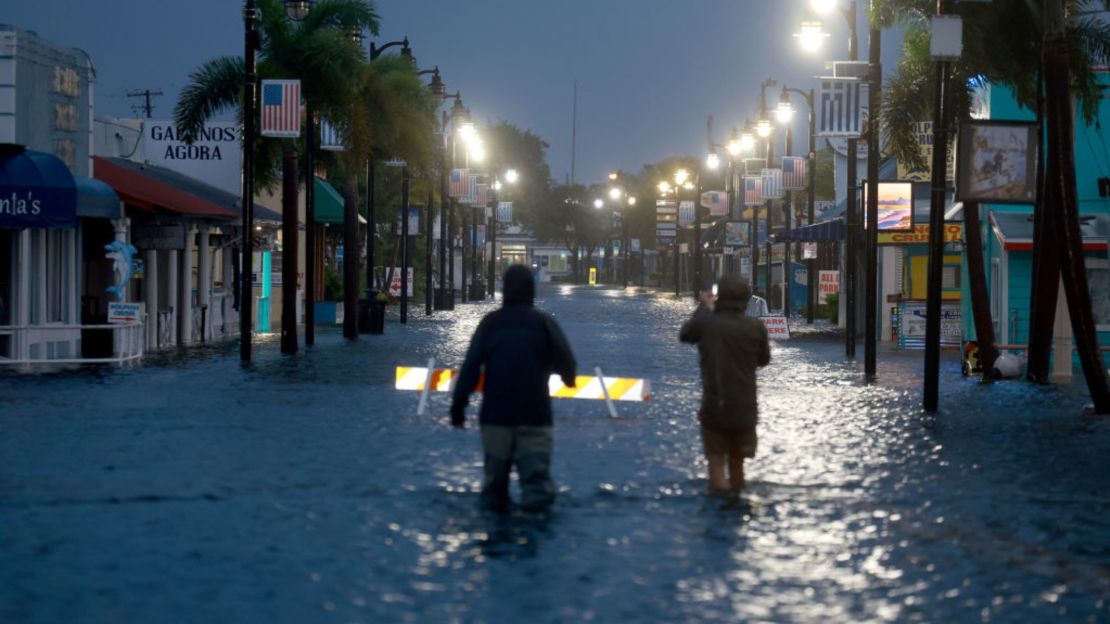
213	88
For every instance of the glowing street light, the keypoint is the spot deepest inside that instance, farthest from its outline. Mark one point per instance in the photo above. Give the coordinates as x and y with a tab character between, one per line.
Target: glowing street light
712	161
824	7
599	204
664	187
631	201
811	36
734	145
511	176
784	112
681	176
615	193
763	128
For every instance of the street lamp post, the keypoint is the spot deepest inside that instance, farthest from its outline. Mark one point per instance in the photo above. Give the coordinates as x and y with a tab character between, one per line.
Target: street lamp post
250	87
811	166
511	176
764	129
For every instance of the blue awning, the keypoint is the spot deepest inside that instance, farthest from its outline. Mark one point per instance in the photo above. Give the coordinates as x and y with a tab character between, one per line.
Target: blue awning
97	200
36	190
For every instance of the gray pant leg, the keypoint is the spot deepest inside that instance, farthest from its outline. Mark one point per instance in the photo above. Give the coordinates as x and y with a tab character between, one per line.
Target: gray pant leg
497	444
532	456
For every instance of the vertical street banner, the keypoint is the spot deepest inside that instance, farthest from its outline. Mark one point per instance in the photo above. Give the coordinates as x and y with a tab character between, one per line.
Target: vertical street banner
481	196
753	193
772	183
505	212
809	251
752	166
685	212
281	108
329	137
716	202
793	173
839	110
460	183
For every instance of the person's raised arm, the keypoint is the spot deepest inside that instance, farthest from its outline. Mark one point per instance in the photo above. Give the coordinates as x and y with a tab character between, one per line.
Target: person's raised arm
692	329
562	358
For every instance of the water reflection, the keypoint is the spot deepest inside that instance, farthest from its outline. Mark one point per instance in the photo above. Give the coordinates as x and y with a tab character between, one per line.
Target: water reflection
313	491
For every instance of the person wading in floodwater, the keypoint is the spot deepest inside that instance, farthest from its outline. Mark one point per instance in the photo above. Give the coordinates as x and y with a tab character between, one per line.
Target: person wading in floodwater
518	348
731	345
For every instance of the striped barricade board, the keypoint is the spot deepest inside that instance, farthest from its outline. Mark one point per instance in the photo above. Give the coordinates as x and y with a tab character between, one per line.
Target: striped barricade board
586	386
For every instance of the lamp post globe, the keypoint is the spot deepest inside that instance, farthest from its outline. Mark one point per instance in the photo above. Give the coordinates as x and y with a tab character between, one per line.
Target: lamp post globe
811	36
298	9
511	176
599	204
823	6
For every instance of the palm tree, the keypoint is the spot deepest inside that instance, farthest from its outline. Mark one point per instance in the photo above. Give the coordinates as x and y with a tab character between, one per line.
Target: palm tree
393	116
1030	48
323	54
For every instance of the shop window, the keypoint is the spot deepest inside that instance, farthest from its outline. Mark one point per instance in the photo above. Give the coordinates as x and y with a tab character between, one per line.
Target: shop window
950	277
558	264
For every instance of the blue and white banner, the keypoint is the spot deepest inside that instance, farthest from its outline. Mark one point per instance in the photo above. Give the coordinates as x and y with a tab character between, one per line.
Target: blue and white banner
686	213
772	183
839	112
505	212
329	137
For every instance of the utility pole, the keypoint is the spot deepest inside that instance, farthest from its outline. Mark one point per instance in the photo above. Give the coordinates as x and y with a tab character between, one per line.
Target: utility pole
146	94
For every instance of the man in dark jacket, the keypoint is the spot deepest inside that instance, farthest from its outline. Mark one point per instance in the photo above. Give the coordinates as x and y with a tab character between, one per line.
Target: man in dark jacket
518	348
731	345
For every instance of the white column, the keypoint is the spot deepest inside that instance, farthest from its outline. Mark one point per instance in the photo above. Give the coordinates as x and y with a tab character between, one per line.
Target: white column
23	296
150	296
204	282
172	267
185	297
1061	339
38	314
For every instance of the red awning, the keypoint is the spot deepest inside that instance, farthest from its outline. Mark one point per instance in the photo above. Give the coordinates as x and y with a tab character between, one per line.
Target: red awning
136	187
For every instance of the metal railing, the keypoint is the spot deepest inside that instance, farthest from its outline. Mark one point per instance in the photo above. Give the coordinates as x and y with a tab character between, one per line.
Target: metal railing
65	344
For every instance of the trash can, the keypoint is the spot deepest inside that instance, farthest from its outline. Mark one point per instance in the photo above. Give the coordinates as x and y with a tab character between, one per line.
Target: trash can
371	314
444	300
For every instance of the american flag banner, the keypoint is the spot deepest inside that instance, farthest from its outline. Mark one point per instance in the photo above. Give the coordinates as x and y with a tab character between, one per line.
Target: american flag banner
281	108
753	190
839	111
481	197
505	212
716	202
460	183
772	183
329	137
793	173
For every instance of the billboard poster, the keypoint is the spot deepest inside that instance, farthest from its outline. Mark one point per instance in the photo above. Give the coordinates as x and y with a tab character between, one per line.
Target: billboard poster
895	206
997	162
737	233
828	283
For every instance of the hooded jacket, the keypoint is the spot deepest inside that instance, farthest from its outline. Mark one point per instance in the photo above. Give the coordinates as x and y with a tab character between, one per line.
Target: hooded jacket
518	348
731	345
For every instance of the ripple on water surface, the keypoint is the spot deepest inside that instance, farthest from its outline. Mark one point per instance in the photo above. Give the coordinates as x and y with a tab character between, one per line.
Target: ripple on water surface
306	489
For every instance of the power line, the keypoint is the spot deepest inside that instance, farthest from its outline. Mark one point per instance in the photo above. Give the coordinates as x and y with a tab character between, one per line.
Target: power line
146	94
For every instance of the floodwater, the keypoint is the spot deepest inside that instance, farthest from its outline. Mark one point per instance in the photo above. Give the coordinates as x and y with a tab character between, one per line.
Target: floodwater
306	489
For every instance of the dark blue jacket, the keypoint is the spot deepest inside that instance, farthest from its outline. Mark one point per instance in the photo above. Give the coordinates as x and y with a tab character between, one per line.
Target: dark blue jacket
518	348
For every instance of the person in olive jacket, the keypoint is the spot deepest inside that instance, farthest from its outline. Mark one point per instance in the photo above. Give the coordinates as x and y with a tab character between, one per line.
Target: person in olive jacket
518	348
731	345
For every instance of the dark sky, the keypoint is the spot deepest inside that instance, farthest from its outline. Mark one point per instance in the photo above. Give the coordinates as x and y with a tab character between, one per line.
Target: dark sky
649	72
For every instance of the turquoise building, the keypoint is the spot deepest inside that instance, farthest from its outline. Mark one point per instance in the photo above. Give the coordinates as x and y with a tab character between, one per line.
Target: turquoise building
1008	233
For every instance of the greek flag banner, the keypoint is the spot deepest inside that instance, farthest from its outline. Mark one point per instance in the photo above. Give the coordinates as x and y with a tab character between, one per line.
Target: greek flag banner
839	111
329	137
686	213
772	183
505	212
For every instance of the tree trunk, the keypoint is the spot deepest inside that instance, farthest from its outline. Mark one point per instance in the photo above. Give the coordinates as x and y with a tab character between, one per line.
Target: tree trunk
350	258
290	232
1060	173
1046	270
980	305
